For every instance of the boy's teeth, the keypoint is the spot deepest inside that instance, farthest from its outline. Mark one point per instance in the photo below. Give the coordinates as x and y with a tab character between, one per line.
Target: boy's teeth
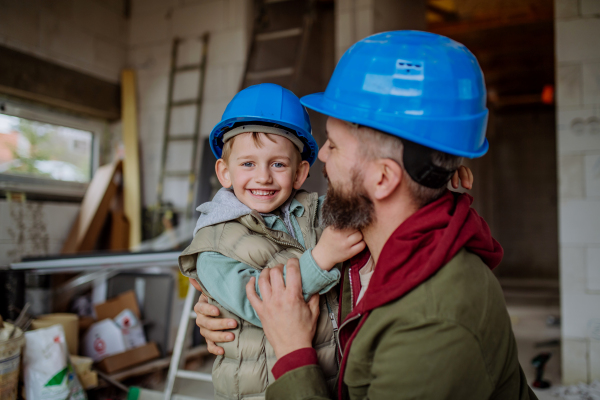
262	192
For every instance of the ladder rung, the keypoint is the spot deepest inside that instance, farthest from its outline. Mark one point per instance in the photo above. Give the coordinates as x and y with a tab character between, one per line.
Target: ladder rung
193	314
271	73
187	102
274	1
177	174
279	34
179	138
198	376
189	67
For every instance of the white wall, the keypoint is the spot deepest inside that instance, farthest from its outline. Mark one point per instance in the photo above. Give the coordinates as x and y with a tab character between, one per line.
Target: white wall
85	35
33	228
153	25
578	135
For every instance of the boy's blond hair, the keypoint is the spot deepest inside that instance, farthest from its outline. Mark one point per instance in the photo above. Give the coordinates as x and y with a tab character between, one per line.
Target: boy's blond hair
257	138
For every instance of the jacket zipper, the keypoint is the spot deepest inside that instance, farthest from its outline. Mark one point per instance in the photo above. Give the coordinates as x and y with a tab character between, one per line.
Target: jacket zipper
335	329
351	289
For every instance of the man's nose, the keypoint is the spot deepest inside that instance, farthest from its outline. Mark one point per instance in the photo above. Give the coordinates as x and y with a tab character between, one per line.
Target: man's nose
322	152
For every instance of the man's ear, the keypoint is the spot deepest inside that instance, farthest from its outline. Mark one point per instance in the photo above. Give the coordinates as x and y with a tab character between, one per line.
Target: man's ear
388	176
223	174
301	174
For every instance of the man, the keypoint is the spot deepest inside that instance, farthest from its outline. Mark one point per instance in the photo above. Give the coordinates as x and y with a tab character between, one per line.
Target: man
423	315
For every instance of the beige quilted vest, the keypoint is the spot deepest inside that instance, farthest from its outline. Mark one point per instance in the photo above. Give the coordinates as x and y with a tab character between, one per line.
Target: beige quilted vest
244	371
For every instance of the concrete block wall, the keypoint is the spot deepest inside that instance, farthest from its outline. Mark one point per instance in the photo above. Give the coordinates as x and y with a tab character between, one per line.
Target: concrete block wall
33	228
85	35
357	19
578	146
153	25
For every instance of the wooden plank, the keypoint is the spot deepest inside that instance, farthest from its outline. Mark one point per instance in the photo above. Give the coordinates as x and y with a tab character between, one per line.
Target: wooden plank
32	78
131	164
94	210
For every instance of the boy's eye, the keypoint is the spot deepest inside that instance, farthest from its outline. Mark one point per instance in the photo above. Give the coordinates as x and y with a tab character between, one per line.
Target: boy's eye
278	165
247	164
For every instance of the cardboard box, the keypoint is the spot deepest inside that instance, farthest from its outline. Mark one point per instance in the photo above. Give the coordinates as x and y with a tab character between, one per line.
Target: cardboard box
112	308
129	358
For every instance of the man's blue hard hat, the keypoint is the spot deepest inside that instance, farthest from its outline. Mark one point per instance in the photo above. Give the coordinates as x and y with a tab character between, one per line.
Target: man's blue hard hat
418	86
269	105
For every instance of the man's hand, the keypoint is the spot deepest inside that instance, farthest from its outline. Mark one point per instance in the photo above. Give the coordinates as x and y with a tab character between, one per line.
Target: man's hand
288	321
211	326
464	176
336	246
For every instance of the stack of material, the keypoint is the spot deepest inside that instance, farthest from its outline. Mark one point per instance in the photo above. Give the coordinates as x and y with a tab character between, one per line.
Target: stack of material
83	369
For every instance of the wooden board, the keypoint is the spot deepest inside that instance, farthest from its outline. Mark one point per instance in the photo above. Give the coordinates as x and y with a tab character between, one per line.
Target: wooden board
131	167
94	209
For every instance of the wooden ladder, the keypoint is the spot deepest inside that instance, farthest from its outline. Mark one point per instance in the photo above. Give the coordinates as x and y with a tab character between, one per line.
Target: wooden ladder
277	50
191	137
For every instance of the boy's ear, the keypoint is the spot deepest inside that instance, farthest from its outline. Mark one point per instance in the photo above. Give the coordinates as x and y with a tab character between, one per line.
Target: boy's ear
223	173
301	174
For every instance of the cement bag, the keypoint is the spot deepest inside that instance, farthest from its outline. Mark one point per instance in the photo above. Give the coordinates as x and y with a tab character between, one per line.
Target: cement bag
48	374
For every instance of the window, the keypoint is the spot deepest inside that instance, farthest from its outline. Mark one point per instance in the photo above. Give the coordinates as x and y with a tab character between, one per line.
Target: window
44	152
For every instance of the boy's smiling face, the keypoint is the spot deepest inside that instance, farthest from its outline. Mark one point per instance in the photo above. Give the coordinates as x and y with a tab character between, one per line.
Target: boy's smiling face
262	174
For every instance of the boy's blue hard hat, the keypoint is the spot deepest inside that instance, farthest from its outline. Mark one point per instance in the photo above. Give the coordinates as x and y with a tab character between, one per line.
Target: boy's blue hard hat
270	105
418	86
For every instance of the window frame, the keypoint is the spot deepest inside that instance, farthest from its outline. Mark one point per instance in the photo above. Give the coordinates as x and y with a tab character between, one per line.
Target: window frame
43	188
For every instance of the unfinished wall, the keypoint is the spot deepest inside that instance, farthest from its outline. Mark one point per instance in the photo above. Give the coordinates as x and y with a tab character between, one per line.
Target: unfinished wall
153	25
85	35
578	131
33	228
357	19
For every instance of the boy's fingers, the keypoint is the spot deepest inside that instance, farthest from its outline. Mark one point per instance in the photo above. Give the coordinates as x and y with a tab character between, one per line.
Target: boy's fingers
358	247
471	178
455	180
355	237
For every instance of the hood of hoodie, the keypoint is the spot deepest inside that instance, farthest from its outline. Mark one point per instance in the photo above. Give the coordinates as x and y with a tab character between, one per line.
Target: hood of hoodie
423	244
225	206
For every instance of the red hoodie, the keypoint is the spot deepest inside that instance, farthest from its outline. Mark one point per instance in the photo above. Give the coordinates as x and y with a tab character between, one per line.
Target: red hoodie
417	249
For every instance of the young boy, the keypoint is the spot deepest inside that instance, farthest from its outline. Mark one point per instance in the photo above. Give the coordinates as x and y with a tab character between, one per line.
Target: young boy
261	219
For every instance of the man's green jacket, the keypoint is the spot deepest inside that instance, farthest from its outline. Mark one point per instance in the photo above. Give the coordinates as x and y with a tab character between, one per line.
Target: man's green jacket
449	337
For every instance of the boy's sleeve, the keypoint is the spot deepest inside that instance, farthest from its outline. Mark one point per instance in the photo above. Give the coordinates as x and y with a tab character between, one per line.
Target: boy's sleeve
315	279
226	280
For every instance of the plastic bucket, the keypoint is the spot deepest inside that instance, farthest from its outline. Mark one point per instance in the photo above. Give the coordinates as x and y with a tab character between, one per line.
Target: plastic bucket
10	360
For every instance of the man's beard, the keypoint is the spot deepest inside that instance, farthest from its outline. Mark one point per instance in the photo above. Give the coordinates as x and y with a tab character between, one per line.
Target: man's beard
348	209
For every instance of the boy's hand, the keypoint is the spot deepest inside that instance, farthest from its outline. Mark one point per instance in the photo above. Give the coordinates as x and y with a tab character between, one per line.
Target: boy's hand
465	176
336	246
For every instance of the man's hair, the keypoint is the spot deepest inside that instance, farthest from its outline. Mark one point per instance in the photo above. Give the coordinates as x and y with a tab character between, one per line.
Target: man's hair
257	138
376	144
